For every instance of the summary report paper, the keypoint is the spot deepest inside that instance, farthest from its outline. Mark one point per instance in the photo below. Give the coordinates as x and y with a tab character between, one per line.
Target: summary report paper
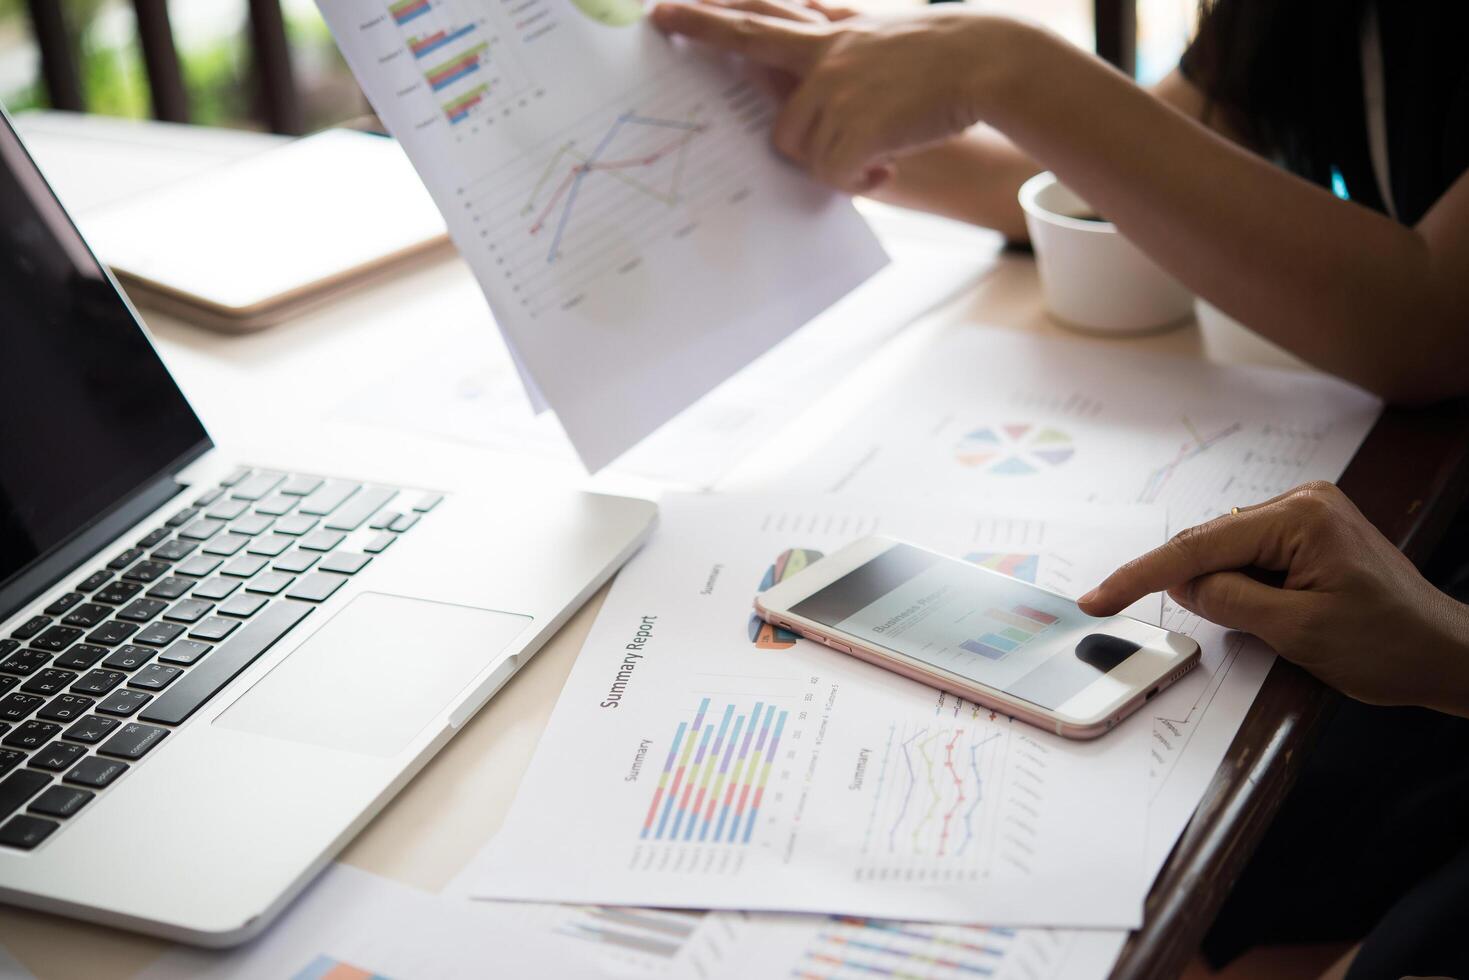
698	757
614	193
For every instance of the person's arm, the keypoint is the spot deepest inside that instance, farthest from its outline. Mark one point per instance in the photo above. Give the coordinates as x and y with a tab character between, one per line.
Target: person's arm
1345	288
1349	607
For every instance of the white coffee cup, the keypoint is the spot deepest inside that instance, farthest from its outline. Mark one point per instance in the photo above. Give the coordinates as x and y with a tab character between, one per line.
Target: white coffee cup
1093	278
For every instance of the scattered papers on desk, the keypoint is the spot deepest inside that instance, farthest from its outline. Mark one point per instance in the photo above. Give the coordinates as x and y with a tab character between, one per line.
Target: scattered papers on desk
469	392
699	758
615	195
991	415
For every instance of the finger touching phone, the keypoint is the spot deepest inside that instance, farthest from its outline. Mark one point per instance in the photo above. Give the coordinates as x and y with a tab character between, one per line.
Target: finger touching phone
1002	643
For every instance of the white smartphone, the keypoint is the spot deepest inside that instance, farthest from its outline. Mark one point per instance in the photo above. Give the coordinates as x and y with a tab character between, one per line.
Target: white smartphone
1000	642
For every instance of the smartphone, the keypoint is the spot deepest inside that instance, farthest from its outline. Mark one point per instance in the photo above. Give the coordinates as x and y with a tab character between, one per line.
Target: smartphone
1008	645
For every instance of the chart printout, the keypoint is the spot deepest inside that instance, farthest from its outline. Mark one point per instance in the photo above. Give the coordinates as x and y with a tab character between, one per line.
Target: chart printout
614	193
990	415
699	758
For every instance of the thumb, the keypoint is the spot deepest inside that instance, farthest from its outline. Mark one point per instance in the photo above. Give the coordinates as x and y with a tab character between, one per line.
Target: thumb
1236	601
789	45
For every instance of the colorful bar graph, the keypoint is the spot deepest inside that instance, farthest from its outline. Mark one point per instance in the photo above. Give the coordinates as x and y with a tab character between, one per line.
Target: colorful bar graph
460	66
406	10
326	968
422	47
459	109
714	776
1014	627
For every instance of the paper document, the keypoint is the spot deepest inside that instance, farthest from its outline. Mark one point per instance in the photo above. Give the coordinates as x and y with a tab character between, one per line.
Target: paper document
614	193
698	757
468	391
993	415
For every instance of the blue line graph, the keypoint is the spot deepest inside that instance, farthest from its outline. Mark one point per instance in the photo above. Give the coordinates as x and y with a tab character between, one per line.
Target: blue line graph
908	796
978	790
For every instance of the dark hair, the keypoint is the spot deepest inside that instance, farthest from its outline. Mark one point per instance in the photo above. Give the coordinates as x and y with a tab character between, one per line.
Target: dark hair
1277	69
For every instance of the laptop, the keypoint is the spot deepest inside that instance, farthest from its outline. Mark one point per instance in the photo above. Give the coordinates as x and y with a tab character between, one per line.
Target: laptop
214	671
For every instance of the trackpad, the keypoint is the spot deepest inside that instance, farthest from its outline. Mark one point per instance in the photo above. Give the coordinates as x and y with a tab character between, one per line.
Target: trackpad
376	674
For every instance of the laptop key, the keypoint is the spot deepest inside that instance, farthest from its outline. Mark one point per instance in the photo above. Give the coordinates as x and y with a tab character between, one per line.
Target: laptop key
404	522
125	558
175	550
31	735
322	540
428	502
57	757
184	652
216	588
226	544
88	614
327	498
111	633
154	677
242	605
227	510
171	587
154	536
198	566
62	603
60	801
189	611
243	566
25	662
256	485
65	707
208	496
48	682
7	682
31	627
25	832
142	610
56	638
269	546
93	582
98	681
123	703
359	508
235	476
271	583
225	663
95	772
81	656
161	634
251	524
91	729
129	656
17	706
146	571
384	520
276	505
118	592
10	758
295	524
316	587
300	486
133	741
213	628
346	562
202	530
18	787
182	517
296	561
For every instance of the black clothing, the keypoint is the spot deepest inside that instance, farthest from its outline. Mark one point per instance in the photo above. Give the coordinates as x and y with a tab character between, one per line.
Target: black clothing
1289	74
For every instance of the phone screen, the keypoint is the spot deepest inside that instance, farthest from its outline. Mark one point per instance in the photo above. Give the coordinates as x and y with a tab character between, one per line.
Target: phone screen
993	630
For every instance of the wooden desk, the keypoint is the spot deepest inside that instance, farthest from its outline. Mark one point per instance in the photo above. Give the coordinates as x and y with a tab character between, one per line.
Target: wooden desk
1408	477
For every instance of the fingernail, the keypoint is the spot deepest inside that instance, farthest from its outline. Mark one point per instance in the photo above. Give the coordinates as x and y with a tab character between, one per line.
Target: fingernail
1088	597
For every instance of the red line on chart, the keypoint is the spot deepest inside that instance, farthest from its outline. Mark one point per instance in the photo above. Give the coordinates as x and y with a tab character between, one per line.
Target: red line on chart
958	788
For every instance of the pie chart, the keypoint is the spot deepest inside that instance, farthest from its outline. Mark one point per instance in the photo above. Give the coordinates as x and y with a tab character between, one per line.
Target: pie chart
1018	449
613	13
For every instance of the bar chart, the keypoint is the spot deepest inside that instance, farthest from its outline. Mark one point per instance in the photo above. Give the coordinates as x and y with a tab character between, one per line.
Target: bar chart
714	777
1009	630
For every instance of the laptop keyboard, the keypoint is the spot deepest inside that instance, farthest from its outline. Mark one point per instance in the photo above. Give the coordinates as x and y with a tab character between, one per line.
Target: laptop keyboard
97	679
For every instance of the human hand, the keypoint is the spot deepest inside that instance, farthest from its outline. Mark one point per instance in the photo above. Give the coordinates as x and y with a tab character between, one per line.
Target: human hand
865	91
1351	608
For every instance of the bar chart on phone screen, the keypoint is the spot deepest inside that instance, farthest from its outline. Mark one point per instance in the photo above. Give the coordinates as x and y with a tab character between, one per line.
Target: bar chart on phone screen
587	203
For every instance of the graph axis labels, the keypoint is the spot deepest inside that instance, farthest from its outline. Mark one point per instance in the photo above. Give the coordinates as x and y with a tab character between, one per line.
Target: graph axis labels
1015	449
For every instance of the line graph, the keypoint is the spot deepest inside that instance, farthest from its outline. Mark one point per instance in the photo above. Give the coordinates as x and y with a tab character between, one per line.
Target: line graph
1197	445
586	165
580	211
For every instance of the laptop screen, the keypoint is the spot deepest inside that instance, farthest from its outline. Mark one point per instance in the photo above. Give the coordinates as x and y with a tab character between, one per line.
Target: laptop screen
88	413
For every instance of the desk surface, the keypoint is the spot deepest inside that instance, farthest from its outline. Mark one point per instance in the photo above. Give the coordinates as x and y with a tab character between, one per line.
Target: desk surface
256	391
